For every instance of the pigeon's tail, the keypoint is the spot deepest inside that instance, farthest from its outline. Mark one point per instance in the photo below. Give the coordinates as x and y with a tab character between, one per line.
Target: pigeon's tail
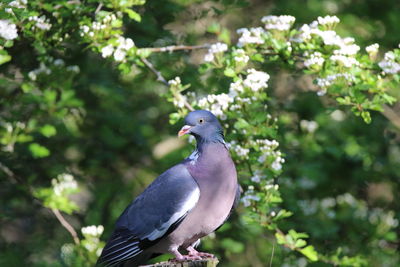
139	259
119	250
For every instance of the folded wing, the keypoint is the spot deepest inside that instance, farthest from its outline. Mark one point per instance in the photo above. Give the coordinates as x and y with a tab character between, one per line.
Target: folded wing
152	215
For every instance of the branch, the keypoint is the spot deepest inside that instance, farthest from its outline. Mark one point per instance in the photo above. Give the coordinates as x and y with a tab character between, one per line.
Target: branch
156	72
172	48
209	262
391	115
66	225
15	179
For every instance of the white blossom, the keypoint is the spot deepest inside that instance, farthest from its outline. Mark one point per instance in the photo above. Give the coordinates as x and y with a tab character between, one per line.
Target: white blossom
240	56
41	22
175	82
250	36
279	23
59	62
18	3
8	30
389	64
328	20
217	48
256	80
372	49
258	176
315	59
309	126
119	55
93	230
63	182
73	68
217	104
107	51
338	115
249	195
330	79
345	60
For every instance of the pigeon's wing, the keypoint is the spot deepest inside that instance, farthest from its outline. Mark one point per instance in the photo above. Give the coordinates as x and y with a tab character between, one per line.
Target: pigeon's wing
152	215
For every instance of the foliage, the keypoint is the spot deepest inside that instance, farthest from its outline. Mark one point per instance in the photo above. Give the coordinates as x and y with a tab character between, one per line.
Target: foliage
82	101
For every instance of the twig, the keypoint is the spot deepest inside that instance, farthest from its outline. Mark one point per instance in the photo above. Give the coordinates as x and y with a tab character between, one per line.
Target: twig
15	179
172	48
66	225
156	72
391	115
162	79
98	8
272	254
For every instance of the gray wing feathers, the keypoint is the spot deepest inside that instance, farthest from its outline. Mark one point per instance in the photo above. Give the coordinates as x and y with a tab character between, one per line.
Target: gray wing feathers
160	208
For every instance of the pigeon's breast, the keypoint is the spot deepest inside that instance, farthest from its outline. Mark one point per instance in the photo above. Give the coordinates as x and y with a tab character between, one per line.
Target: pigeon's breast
215	173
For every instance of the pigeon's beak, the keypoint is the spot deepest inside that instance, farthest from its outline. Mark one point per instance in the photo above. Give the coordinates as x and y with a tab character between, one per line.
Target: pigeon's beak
185	129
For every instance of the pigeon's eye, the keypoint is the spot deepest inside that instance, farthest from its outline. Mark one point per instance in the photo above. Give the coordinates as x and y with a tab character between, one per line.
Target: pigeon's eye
201	121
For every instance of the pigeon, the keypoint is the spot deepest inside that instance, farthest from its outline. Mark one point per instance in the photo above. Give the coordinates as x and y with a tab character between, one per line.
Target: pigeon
185	203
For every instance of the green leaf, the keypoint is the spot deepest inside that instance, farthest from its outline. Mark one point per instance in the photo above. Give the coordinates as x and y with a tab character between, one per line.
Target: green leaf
38	151
48	130
229	72
4	57
133	15
310	253
300	243
280	238
366	116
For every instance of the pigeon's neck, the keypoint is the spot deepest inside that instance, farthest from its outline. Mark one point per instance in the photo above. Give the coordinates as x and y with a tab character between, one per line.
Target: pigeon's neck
204	142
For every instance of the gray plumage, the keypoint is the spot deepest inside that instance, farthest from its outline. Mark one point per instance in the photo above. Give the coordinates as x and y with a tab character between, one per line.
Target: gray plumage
185	203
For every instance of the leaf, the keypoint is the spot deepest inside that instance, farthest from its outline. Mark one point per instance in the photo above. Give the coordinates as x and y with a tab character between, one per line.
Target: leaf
48	130
310	253
366	116
4	57
300	243
38	151
133	15
280	238
229	72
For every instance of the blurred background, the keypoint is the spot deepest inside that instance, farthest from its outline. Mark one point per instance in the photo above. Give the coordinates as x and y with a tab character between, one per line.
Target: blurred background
341	176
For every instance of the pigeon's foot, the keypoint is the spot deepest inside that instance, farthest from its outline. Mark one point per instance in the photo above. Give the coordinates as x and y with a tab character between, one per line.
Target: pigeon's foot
194	252
179	257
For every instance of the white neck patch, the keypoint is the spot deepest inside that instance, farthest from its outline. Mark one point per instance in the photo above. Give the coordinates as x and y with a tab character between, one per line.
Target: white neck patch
194	156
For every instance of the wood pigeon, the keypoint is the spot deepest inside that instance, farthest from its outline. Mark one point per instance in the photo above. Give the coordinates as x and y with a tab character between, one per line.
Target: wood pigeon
185	203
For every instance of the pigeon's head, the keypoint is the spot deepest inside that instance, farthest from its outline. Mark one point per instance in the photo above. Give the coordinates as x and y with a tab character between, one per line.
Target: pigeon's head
203	125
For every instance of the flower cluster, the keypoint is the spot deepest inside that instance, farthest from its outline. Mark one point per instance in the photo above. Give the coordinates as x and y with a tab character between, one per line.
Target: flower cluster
308	126
279	23
97	26
41	22
238	150
315	59
328	20
329	80
120	50
256	80
64	183
92	241
269	152
250	195
250	36
390	64
215	49
93	230
372	49
240	57
43	69
217	104
8	30
322	28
